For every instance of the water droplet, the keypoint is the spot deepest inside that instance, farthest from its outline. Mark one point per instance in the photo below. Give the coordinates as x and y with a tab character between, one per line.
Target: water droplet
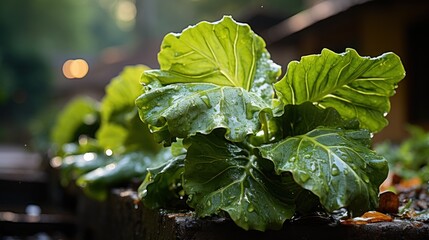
209	203
251	208
304	177
312	167
292	159
144	193
365	178
335	171
206	101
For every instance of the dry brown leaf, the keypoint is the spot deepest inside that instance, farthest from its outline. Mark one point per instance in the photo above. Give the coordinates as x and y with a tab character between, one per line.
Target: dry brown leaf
369	217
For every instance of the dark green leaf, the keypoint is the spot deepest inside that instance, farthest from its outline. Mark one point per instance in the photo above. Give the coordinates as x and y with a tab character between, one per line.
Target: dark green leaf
300	119
334	164
221	176
74	166
163	184
123	169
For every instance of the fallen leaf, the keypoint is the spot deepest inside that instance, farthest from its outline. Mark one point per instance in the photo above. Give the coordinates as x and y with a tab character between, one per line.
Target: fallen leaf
369	217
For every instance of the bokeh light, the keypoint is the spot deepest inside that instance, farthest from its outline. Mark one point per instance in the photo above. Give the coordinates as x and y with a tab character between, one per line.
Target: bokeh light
75	68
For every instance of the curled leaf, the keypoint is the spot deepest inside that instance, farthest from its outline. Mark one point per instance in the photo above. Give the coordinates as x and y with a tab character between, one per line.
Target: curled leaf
357	87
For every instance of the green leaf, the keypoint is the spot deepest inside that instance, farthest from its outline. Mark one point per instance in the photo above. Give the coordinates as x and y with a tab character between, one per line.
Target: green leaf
183	110
357	87
121	129
336	165
222	176
162	186
121	94
300	119
79	117
123	169
74	166
225	53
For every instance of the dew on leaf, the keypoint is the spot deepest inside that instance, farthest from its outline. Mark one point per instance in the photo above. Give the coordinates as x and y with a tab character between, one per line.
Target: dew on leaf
335	171
365	178
304	176
312	166
206	101
251	208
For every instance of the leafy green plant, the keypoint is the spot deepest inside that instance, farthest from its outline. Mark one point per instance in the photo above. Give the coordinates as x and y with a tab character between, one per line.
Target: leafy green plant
217	127
260	147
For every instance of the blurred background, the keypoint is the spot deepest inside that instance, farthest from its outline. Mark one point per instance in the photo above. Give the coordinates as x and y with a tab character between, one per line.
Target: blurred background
42	41
52	51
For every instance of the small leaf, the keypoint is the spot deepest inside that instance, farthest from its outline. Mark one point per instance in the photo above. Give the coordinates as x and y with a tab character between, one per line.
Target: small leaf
162	185
74	166
357	87
369	217
221	176
124	168
334	165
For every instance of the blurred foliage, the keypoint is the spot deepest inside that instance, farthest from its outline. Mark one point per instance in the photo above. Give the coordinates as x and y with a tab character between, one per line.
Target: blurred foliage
81	116
36	34
33	33
163	16
410	158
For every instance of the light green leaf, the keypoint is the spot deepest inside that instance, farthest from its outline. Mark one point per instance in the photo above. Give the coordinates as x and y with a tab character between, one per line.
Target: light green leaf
357	87
74	166
336	165
225	53
221	176
121	129
122	169
182	110
79	117
121	94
